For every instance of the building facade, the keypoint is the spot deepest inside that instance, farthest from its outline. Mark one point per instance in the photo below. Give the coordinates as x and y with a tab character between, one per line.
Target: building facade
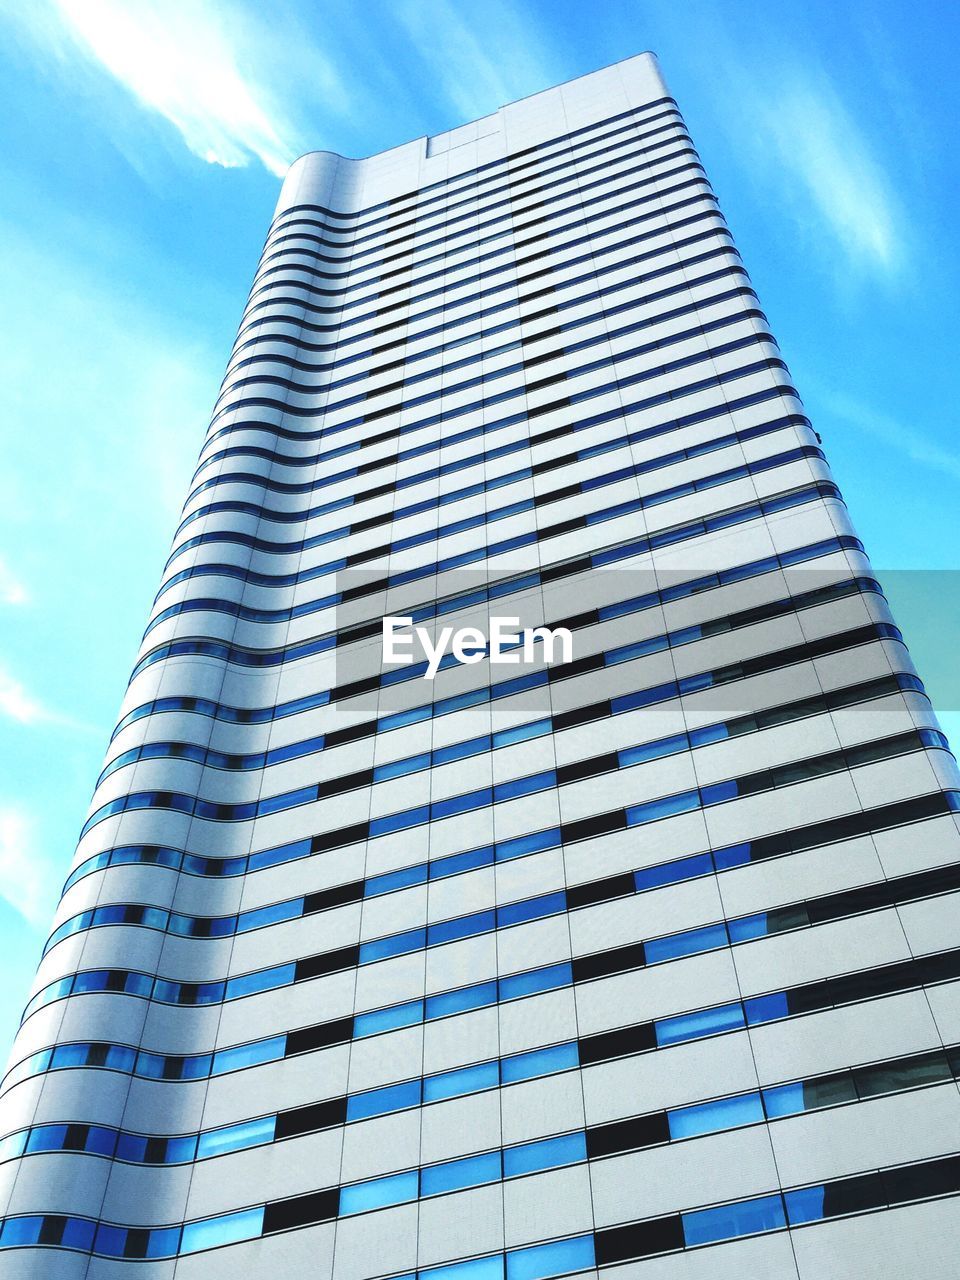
646	961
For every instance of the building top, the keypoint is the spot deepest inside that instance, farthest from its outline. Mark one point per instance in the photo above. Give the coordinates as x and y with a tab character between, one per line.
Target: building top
346	185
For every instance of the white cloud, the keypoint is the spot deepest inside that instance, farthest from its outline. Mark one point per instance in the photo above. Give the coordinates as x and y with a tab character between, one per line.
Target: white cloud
192	61
17	703
478	73
819	148
25	877
12	590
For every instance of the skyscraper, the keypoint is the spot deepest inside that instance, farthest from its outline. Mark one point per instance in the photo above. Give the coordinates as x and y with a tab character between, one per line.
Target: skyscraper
644	955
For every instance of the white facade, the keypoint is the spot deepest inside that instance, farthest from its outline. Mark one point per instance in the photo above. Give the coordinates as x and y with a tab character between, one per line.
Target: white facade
648	962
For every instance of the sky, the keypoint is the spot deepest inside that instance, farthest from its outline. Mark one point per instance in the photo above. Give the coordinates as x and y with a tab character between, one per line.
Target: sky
142	145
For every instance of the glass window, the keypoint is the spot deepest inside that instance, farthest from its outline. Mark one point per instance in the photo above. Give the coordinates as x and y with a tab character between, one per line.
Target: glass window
395	1189
652	750
246	984
662	808
766	1008
685	944
533	843
378	1102
490	1268
450	1084
462	927
540	1062
472	1171
547	904
249	1055
391	880
805	1205
522	732
525	786
554	1259
673	872
209	1233
475	997
728	1221
546	979
907	1073
236	1137
710	1117
748	927
398	1015
548	1153
784	1100
703	1022
397	944
457	862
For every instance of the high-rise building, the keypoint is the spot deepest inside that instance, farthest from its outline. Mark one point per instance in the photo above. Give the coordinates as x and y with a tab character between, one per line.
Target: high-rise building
644	955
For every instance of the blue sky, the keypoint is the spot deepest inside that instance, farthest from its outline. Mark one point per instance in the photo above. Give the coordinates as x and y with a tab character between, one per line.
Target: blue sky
141	152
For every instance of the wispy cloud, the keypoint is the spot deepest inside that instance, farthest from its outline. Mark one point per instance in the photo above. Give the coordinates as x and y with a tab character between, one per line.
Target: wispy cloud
892	431
25	879
476	74
12	590
193	62
817	145
17	703
797	135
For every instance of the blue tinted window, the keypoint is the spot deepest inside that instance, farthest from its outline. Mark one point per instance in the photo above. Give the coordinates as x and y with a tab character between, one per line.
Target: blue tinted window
13	1144
652	750
805	1205
673	872
78	1233
546	979
748	927
734	855
249	1055
731	1220
461	750
766	1008
457	862
704	1022
525	786
399	821
395	1189
20	1231
521	732
398	1015
461	804
235	1137
709	1117
540	1062
226	1229
396	945
480	994
685	944
548	904
246	984
532	843
490	1268
454	1174
719	792
450	1084
662	808
551	1259
784	1100
398	768
391	880
378	1102
462	927
549	1153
